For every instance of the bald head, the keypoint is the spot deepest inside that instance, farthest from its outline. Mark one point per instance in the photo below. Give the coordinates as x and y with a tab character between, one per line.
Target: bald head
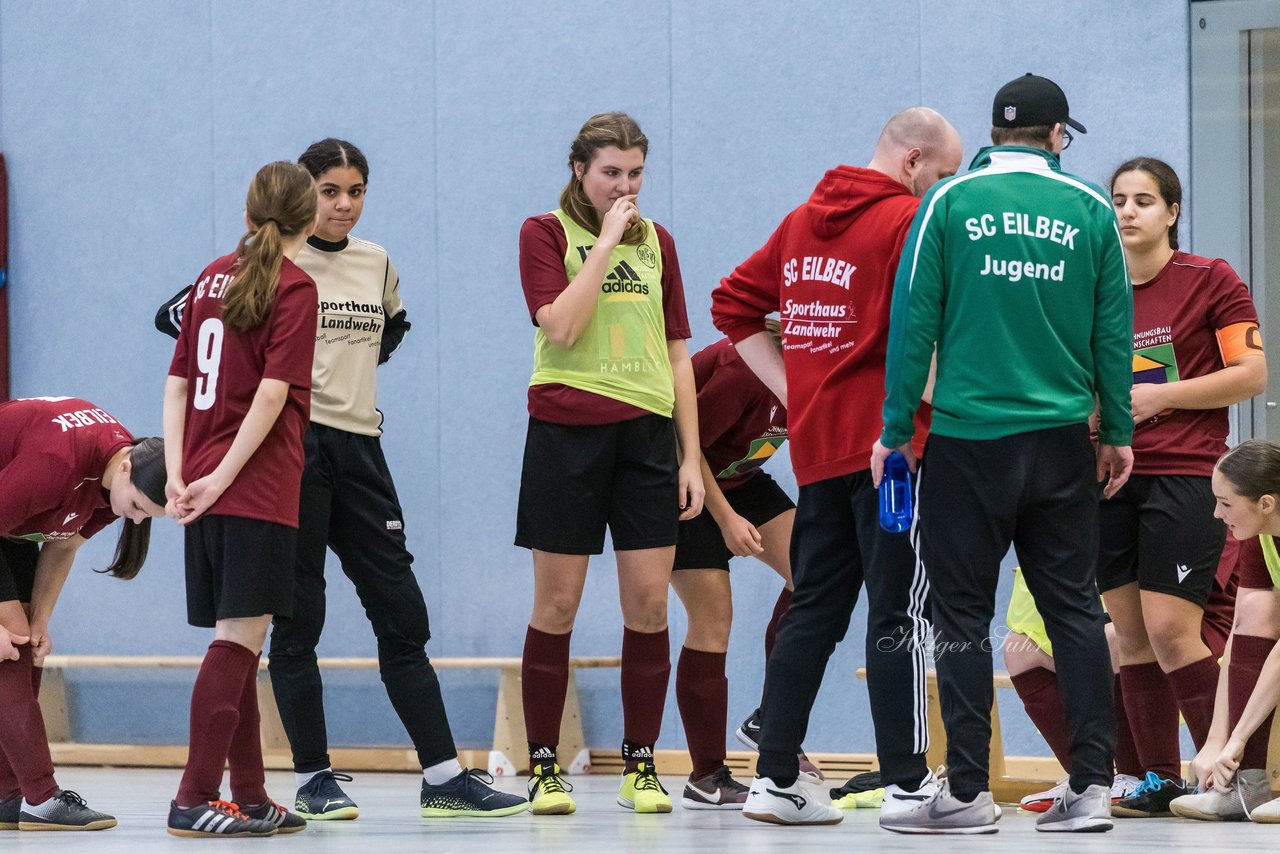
918	147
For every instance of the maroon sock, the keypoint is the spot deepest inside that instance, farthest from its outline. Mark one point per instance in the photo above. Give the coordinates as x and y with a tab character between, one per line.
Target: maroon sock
248	777
702	693
775	622
8	779
1248	653
1127	761
1195	685
544	679
646	670
1153	718
215	712
22	736
1038	690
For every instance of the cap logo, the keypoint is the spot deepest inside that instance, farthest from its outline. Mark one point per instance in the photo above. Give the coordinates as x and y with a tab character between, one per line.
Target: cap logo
1010	113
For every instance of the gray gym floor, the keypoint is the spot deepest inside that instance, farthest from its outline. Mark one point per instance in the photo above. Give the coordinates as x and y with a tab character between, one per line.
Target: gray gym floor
389	823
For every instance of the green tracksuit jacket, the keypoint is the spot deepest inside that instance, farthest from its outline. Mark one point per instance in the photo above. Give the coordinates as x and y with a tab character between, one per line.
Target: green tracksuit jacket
1016	273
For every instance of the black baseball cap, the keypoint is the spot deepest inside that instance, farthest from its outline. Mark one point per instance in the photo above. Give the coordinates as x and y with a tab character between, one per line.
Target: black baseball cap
1029	101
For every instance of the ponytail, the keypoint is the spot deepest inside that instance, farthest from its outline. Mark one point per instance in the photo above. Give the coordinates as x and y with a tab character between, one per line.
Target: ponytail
281	204
131	550
148	475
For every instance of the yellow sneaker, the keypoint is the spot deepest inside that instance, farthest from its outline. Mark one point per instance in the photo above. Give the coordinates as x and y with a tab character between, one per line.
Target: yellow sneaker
641	791
548	792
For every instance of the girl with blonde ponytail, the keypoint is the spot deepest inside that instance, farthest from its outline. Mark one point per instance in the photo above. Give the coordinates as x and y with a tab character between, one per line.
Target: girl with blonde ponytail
236	406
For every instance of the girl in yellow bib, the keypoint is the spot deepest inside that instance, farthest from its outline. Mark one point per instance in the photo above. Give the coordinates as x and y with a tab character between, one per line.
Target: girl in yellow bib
1232	766
612	442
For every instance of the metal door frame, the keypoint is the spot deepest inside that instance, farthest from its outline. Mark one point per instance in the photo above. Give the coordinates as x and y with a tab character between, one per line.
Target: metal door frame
1220	210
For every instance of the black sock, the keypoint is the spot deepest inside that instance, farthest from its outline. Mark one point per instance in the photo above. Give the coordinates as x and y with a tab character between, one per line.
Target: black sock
541	754
634	754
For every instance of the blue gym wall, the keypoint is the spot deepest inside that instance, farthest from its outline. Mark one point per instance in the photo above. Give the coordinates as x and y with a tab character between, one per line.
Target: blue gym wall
132	129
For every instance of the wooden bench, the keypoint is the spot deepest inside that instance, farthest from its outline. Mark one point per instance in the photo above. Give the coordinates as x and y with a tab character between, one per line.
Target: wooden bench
507	755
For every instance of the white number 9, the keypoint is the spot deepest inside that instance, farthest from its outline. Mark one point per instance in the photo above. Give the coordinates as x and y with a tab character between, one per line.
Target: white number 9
208	357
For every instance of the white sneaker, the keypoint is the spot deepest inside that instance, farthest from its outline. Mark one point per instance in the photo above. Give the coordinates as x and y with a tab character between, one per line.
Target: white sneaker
792	804
1209	806
1253	791
898	800
1087	812
1044	801
809	771
1123	786
945	813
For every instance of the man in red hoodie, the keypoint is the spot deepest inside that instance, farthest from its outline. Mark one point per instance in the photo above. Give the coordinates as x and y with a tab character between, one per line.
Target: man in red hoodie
829	269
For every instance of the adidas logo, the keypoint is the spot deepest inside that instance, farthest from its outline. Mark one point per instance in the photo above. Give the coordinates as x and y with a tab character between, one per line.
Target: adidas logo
645	752
394	525
624	280
543	753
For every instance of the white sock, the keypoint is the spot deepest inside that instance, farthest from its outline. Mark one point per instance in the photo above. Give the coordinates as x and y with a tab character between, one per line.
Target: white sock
304	779
442	772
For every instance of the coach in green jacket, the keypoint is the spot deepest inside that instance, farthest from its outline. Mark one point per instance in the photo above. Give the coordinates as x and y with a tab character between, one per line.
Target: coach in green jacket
1014	274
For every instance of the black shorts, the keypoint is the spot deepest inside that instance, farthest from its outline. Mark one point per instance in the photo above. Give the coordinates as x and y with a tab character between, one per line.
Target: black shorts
579	478
1159	531
238	567
17	569
758	500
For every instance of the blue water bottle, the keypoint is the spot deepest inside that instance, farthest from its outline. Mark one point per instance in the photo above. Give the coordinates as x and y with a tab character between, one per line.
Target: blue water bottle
895	495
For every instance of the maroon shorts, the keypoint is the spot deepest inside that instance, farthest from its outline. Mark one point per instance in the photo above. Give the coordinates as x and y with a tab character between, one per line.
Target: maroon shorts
1220	607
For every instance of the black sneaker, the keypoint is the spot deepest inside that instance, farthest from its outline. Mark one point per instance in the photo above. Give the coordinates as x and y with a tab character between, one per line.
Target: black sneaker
868	782
469	794
216	819
749	731
9	810
322	799
274	813
716	791
64	811
1150	800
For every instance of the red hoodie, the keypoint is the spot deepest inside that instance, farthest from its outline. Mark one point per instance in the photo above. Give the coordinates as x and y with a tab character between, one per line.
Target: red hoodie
828	270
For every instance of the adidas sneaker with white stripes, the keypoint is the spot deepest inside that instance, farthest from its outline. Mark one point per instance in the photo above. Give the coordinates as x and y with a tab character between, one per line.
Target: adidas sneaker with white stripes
218	819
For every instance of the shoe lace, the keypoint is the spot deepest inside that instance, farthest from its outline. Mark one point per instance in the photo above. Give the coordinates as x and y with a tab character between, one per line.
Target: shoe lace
550	782
228	808
72	799
1153	782
724	779
647	779
346	778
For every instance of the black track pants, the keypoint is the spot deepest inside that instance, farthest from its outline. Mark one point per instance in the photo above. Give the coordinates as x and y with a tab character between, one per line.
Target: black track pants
349	504
837	547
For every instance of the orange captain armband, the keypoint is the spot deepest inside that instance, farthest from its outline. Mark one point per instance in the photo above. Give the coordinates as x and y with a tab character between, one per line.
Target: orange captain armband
1239	339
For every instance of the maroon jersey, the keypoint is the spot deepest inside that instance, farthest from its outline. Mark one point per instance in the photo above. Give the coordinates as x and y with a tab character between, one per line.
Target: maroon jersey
741	424
542	275
223	368
1176	320
53	453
